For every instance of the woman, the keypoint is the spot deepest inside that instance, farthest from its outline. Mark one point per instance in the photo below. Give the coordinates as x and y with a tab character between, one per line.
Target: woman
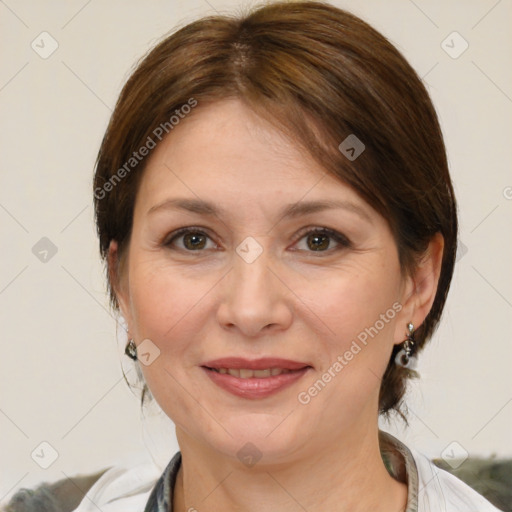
274	204
275	209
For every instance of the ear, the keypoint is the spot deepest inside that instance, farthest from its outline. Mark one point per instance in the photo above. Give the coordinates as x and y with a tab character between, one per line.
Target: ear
117	280
420	288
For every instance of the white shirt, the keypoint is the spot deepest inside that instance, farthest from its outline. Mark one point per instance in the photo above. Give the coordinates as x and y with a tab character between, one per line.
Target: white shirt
430	489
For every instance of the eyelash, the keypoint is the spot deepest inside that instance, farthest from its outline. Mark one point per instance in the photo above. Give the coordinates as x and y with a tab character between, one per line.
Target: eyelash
343	241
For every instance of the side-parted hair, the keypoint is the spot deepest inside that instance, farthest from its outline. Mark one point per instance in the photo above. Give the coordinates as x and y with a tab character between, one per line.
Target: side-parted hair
320	74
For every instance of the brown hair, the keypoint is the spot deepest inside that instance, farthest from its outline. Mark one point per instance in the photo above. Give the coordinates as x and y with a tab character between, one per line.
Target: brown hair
320	74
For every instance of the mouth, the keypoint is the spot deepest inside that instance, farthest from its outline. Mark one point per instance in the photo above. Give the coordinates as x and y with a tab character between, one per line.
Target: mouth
247	373
254	379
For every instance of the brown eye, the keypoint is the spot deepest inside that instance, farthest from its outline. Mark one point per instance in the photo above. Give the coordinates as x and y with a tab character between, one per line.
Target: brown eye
194	241
321	240
318	242
188	239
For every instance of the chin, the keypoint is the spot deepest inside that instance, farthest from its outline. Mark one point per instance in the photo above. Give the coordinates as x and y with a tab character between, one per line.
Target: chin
263	438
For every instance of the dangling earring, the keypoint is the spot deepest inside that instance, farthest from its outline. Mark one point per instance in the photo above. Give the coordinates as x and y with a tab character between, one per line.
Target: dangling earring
406	356
131	350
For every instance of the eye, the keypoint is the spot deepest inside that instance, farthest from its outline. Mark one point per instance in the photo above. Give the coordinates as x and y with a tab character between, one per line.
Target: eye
322	240
192	239
314	240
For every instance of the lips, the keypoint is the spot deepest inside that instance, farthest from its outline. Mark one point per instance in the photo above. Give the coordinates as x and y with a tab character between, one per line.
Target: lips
264	363
247	373
256	378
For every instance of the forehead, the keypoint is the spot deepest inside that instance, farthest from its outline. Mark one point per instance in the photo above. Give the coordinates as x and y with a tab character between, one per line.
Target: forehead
228	136
225	151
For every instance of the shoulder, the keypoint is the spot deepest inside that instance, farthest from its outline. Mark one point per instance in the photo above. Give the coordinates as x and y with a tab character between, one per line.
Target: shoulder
439	490
121	488
116	489
60	496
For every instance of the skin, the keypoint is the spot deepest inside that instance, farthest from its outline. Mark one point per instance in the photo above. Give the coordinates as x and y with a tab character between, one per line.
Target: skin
291	302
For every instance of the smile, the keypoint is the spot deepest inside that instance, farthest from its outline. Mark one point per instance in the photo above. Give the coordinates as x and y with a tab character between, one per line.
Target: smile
246	373
256	378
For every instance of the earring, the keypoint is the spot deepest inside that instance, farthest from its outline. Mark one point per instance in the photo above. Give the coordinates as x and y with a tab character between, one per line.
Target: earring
406	356
131	350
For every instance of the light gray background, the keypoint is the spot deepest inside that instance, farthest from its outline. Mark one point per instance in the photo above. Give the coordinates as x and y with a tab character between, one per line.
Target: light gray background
60	373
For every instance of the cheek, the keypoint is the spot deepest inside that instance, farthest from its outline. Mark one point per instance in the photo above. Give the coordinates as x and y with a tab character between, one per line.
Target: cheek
163	298
359	307
162	305
359	311
165	305
350	302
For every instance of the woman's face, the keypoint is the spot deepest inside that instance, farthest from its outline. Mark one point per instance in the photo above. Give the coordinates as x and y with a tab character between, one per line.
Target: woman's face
243	247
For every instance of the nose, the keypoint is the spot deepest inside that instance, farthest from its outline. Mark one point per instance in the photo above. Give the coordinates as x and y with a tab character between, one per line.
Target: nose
255	300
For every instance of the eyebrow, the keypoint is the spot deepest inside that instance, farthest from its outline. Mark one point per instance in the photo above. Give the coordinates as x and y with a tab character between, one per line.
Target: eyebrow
201	207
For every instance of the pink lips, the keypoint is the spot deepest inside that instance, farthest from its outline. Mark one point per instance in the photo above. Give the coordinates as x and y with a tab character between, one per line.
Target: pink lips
254	387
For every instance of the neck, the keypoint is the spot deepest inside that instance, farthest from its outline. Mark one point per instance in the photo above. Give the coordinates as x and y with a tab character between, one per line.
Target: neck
346	475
